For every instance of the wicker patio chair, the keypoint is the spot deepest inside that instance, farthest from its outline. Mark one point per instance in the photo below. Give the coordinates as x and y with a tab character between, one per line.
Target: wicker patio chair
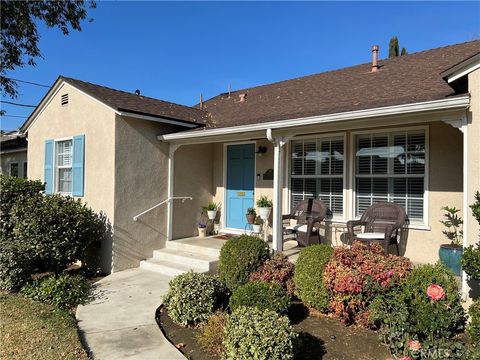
381	222
308	215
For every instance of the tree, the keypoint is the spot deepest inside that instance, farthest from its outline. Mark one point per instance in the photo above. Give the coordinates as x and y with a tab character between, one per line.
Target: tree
20	37
403	52
393	47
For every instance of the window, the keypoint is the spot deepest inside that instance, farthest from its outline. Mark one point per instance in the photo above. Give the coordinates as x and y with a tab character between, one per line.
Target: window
14	169
391	167
25	169
64	166
317	172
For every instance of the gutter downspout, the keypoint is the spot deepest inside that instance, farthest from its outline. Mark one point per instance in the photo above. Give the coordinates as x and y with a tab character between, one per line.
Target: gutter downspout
278	165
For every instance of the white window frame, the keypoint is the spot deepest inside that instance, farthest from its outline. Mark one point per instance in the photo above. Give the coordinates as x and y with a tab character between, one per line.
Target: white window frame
424	225
288	175
57	167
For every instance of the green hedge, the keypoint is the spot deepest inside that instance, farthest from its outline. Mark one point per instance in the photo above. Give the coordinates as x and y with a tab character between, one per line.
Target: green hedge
257	334
63	291
309	283
473	328
261	295
239	257
193	297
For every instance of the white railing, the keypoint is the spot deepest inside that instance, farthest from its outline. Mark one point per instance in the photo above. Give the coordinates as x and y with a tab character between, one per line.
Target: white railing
183	198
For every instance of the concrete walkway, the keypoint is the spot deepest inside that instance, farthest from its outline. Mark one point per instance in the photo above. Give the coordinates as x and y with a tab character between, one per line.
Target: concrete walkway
120	322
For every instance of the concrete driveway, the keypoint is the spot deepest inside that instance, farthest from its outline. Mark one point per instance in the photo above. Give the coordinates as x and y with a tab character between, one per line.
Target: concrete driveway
120	322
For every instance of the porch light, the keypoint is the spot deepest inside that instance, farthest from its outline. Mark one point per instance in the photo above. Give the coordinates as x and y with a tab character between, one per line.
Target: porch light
261	150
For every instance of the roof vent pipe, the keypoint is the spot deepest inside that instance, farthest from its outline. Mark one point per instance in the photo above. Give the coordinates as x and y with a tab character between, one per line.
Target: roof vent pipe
201	101
375	57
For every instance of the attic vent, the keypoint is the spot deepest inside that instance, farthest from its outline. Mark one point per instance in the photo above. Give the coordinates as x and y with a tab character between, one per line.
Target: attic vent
64	99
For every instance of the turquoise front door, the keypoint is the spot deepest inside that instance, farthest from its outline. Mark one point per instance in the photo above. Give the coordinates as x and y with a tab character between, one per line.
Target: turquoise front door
240	184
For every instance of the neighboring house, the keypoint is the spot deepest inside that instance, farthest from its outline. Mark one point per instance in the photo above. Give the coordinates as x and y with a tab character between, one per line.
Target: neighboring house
13	154
404	129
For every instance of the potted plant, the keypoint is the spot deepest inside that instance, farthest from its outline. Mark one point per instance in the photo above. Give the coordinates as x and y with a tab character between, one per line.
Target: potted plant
251	215
264	205
202	229
211	210
257	225
450	254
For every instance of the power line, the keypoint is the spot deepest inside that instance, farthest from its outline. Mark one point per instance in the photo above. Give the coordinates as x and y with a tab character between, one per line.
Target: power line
17	104
27	82
14	116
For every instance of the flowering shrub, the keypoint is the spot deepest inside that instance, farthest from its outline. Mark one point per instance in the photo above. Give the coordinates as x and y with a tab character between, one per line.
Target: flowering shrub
277	270
355	276
423	316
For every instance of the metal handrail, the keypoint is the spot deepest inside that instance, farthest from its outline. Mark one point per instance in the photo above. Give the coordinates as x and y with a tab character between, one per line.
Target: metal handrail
183	198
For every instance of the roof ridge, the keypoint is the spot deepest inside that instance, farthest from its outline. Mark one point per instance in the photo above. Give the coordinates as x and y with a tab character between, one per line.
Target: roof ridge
344	68
129	93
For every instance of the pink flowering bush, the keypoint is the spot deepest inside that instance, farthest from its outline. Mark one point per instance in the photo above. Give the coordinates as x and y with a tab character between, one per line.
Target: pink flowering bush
435	292
277	270
355	276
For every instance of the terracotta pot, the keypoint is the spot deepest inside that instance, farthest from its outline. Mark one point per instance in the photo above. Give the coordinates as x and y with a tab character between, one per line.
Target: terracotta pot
250	218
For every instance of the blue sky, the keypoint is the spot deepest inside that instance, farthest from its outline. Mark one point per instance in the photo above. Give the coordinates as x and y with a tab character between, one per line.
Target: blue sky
174	51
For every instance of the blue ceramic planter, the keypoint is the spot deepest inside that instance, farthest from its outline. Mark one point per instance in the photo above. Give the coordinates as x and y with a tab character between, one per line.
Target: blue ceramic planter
450	256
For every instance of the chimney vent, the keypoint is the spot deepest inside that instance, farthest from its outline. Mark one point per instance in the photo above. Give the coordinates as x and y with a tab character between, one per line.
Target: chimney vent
201	101
375	57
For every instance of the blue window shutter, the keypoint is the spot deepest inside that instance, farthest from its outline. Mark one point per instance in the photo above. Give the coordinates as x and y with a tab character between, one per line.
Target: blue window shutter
78	165
48	167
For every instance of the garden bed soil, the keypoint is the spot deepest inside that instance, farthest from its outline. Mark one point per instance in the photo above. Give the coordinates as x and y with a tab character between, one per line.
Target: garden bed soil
321	338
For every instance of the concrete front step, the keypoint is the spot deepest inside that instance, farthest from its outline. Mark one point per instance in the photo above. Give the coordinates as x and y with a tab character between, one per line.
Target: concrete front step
168	268
206	246
199	261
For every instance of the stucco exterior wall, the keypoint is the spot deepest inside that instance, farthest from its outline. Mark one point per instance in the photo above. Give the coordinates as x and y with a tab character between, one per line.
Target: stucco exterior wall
19	157
82	115
141	174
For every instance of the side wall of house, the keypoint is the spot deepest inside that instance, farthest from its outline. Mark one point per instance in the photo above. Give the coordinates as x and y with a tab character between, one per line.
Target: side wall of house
19	157
82	115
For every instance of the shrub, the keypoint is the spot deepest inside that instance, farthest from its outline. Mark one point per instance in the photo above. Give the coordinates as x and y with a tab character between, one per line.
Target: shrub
356	276
57	230
212	333
308	277
193	297
473	328
261	295
63	291
425	308
277	270
257	334
12	190
471	261
239	257
16	265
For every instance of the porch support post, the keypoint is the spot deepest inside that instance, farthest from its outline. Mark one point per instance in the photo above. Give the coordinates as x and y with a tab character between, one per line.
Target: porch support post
278	166
464	130
171	165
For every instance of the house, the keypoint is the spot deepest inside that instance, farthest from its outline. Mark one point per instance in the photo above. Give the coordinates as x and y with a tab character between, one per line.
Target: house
13	154
404	129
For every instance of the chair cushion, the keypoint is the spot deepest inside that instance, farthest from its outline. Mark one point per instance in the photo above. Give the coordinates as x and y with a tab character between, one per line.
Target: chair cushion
371	236
299	227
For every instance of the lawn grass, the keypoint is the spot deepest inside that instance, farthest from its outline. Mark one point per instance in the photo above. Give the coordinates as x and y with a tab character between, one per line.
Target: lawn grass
33	330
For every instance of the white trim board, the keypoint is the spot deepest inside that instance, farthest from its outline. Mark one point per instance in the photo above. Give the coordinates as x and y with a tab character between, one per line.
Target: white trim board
460	102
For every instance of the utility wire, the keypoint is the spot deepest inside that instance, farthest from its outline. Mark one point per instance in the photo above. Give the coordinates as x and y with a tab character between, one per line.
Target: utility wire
14	116
27	82
17	104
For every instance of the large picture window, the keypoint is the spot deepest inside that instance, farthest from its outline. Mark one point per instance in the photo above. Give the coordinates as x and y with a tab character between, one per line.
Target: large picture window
64	166
317	167
391	167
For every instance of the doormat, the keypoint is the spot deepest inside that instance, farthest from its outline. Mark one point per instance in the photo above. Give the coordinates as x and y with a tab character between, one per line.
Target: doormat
225	236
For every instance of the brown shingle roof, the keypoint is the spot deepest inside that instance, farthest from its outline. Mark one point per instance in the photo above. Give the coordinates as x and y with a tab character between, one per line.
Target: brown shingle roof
406	79
125	101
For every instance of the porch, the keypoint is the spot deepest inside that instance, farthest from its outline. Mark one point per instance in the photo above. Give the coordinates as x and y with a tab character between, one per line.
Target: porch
413	160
